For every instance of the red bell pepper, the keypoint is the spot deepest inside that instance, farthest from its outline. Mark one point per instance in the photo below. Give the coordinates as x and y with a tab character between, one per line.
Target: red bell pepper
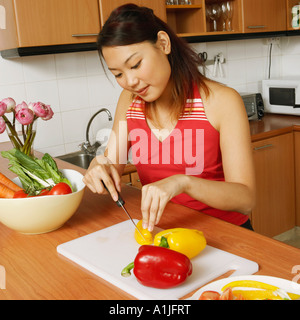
159	267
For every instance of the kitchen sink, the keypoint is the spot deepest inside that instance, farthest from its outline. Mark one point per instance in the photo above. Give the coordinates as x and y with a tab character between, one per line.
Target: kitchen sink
79	158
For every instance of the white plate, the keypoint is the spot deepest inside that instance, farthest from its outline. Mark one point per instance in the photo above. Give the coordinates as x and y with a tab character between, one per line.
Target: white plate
286	285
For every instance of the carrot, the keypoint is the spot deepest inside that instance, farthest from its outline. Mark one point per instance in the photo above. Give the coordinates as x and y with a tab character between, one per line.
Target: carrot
6	192
7	182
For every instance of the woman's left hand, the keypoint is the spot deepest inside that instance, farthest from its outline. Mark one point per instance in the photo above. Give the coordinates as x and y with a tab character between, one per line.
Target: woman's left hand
155	197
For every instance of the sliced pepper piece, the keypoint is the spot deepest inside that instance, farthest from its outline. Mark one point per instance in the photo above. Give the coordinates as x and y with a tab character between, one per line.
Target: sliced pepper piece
159	267
257	294
145	232
250	284
189	242
268	292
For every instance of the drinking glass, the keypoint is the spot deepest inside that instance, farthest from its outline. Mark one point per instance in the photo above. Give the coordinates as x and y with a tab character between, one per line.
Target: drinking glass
224	14
229	7
214	13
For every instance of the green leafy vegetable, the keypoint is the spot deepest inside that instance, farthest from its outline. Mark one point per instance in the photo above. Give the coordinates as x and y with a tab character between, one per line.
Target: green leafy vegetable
35	174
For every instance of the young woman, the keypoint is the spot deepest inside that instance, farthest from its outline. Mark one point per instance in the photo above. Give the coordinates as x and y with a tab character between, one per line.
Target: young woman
189	136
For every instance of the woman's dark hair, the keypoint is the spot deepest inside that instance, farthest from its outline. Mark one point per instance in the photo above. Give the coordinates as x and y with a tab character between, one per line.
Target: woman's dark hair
131	24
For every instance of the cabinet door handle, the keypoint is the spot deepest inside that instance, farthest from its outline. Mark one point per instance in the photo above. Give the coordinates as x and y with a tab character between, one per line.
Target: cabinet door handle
263	147
85	35
256	27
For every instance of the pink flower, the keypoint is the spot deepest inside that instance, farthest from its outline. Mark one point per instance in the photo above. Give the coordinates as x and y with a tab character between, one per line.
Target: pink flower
25	116
3	108
49	114
39	109
10	104
2	125
20	106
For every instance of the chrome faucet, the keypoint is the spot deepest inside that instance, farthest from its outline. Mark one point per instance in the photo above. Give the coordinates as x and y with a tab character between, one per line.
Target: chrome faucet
86	146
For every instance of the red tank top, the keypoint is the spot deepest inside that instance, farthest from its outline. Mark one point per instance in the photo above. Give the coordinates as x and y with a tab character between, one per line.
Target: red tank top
192	148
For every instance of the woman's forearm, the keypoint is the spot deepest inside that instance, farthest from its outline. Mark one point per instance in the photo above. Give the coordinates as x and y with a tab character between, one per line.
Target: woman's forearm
221	195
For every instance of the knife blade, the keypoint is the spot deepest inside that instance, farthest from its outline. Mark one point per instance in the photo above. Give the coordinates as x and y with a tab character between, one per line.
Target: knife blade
120	203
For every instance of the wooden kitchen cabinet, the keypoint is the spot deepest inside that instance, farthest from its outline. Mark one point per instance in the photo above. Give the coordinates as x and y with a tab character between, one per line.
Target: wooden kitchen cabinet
44	22
236	20
131	177
107	6
191	20
43	26
274	164
264	15
297	174
187	19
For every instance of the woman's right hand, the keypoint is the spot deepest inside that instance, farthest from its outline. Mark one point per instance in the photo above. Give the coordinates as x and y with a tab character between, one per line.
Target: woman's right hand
100	171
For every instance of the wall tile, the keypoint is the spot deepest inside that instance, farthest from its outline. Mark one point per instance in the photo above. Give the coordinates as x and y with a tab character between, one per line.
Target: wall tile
291	66
73	94
15	91
255	69
236	71
103	92
255	48
74	125
70	65
290	45
11	71
236	50
49	133
39	68
93	64
44	91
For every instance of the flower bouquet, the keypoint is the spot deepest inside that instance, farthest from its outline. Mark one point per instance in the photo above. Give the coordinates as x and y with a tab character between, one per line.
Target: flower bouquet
21	129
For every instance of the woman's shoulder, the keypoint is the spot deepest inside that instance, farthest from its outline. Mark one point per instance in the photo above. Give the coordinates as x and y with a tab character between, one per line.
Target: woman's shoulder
222	97
125	98
219	90
222	102
124	102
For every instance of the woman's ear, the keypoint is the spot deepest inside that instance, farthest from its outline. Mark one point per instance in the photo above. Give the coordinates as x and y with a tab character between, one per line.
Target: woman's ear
163	42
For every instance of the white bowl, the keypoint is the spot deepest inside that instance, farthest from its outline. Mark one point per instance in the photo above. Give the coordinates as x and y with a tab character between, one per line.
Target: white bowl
42	214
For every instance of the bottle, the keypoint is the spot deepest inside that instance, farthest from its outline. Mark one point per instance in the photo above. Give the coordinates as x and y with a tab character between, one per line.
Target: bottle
296	16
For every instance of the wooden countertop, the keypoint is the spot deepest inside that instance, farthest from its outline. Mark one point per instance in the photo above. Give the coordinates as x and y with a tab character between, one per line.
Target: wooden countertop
34	269
272	125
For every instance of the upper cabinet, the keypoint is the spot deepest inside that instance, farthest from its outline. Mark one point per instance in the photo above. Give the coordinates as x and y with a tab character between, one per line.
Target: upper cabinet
54	22
264	15
219	17
107	6
48	26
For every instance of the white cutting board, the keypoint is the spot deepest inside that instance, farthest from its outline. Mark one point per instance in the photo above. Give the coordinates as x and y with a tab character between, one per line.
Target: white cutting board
106	252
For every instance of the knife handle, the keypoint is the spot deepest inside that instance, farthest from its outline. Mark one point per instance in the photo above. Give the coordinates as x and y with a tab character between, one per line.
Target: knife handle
120	202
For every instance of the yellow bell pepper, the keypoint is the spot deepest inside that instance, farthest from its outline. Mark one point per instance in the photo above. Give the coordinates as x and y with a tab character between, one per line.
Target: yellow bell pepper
145	232
190	242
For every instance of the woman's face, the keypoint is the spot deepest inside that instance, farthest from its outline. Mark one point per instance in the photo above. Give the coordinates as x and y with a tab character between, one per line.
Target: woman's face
142	68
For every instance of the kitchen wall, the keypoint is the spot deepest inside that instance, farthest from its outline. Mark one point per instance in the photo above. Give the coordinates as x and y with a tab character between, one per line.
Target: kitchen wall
75	85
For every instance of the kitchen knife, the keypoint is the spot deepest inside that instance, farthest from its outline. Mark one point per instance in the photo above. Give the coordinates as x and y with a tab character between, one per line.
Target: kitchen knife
120	203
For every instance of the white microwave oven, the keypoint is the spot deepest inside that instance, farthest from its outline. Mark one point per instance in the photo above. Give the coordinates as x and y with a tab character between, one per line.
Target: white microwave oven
282	96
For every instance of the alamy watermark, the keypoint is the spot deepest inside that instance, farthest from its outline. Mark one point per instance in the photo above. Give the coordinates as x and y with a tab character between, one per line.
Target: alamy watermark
178	147
2	17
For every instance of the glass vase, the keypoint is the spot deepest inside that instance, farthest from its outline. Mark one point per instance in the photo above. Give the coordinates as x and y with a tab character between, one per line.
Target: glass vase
22	136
